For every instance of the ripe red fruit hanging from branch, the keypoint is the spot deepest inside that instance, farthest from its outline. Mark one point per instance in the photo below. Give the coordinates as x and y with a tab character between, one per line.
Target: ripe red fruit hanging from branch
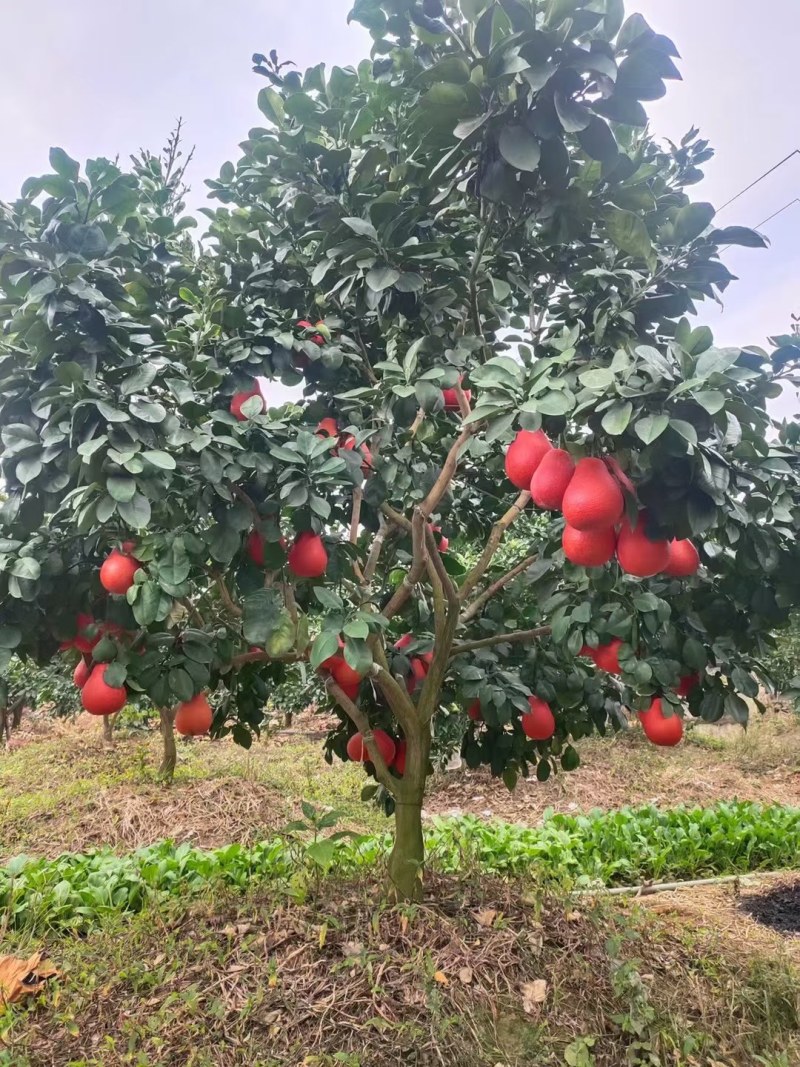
400	757
419	672
80	675
343	674
588	548
451	398
254	546
539	723
524	455
358	752
307	557
117	573
194	717
683	561
474	711
328	428
593	499
659	728
82	641
686	684
551	479
637	554
349	444
606	657
98	698
241	398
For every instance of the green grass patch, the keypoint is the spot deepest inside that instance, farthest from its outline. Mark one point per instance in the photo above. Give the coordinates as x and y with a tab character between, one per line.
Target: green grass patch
76	891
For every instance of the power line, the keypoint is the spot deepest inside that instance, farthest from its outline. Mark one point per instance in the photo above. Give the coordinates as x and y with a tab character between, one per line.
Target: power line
761	177
775	214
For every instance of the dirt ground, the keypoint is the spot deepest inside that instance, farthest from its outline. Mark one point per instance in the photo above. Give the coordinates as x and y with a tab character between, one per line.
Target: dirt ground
62	788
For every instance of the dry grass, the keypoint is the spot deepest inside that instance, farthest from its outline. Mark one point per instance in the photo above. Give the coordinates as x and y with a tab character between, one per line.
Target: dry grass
483	976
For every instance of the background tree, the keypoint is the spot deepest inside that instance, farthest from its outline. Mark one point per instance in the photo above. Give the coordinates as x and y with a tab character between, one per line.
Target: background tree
471	232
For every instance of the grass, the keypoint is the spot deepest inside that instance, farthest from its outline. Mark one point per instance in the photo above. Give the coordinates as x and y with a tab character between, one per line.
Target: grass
483	977
76	891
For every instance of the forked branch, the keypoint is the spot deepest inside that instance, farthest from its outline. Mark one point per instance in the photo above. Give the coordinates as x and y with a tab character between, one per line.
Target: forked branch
493	543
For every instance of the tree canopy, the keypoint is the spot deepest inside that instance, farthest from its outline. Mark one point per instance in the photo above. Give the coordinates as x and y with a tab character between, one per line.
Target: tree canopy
470	234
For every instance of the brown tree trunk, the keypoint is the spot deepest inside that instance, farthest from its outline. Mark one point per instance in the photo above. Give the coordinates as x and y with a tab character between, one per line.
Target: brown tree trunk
288	718
170	756
407	859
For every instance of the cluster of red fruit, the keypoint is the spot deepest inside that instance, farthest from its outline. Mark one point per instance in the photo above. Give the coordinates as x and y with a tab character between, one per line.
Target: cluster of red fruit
420	665
307	558
589	496
539	724
661	729
330	428
393	752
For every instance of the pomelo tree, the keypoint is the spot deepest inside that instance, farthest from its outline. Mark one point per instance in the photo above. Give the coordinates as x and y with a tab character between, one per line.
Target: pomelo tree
479	271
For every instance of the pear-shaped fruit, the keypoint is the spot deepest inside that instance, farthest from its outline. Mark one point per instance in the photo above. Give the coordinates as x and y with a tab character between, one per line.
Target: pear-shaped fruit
343	674
551	478
419	672
661	729
193	717
524	455
117	572
450	397
637	554
589	548
474	711
539	723
80	675
98	698
686	684
359	753
307	557
684	559
593	499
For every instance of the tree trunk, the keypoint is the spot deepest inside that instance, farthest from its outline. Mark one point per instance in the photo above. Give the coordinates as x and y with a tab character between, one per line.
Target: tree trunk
288	718
170	757
407	860
108	729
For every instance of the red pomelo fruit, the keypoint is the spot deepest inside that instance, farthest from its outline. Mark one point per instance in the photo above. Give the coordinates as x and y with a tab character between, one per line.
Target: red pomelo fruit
588	548
193	717
593	499
637	554
538	724
359	753
307	557
524	455
551	479
659	728
684	559
98	698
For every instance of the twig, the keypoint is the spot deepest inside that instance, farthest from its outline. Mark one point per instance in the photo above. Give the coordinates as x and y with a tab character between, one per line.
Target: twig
444	635
376	549
355	518
370	373
500	639
242	495
232	607
472	282
463	403
495	587
415	425
495	537
192	610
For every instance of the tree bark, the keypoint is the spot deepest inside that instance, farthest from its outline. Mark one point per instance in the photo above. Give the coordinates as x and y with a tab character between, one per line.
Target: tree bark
170	756
407	859
108	728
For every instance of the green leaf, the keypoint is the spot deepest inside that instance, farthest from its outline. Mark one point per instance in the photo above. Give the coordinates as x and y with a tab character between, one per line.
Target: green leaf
10	636
357	654
146	603
28	468
710	399
115	674
685	429
691	220
148	410
142	378
135	512
380	278
598	142
520	148
271	105
623	109
261	613
362	228
597	380
694	654
556	402
651	427
181	684
629	233
738	235
62	164
716	361
120	488
326	644
616	419
162	460
26	567
175	565
572	115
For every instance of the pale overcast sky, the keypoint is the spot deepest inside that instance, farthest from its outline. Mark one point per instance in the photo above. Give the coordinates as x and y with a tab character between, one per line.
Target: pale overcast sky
102	78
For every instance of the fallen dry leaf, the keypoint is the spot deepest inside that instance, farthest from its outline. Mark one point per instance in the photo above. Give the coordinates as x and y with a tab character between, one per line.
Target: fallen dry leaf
441	978
465	975
533	993
22	978
352	948
486	916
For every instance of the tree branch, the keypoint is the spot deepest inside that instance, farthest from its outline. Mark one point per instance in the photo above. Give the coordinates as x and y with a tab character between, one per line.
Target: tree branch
472	281
495	587
375	550
432	500
499	639
359	719
404	590
495	537
432	685
463	403
231	606
415	425
355	518
370	373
